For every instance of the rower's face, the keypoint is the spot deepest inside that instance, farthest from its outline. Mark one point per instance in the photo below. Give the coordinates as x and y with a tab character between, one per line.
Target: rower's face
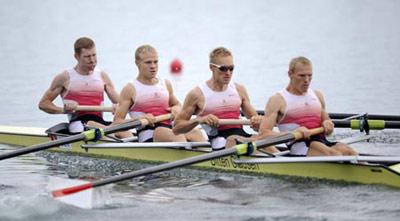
87	59
301	77
148	65
223	73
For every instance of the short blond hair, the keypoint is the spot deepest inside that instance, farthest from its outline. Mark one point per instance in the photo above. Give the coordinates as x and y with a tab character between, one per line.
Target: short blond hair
144	49
302	60
83	43
219	52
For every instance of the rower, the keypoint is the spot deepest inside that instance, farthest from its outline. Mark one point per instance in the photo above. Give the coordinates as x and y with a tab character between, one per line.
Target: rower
218	98
297	107
148	96
83	84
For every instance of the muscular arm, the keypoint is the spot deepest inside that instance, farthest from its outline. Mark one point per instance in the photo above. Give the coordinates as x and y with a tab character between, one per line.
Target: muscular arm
325	119
248	109
273	110
183	122
174	104
110	89
128	93
56	88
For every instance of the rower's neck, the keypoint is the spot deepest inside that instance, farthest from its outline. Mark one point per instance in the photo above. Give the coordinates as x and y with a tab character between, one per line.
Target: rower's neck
216	86
147	81
82	71
295	91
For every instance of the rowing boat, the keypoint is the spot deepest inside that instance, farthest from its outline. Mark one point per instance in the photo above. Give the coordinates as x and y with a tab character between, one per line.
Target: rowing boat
387	173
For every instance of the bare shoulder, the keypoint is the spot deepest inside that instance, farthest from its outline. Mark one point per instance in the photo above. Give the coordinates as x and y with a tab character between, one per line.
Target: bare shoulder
276	99
240	87
319	95
128	90
194	101
195	95
63	75
275	103
168	85
167	82
105	76
61	79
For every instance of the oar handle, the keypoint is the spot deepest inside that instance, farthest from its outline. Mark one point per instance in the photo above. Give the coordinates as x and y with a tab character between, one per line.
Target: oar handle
93	108
298	135
234	122
159	118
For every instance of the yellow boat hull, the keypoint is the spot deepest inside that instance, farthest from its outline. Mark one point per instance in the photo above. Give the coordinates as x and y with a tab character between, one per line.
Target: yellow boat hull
357	173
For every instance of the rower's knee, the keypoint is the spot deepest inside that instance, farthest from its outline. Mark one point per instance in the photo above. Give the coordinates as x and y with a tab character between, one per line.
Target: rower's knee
231	140
163	134
346	150
195	135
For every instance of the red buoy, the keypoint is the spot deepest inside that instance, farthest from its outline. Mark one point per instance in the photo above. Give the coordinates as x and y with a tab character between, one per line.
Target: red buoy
176	66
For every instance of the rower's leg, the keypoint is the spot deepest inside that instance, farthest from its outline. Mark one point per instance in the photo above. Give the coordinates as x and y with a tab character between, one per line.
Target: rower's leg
164	134
95	124
231	140
344	149
320	149
195	135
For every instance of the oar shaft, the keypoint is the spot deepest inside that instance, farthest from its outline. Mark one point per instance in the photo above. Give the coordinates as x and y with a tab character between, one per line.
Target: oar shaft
144	172
373	124
145	145
205	157
347	115
370	116
316	159
234	122
93	108
40	147
135	123
86	135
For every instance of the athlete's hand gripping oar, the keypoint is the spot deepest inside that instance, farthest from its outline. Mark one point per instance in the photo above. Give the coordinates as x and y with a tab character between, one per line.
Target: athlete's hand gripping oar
240	149
93	134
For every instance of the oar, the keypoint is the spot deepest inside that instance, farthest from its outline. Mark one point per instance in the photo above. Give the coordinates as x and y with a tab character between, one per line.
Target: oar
353	124
93	134
93	108
373	124
240	149
234	122
370	116
317	159
349	115
145	145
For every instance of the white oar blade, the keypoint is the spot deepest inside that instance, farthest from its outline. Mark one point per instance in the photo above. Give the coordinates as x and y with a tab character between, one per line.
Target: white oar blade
81	199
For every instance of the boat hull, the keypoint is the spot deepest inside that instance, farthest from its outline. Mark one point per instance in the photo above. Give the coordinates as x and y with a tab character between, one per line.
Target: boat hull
348	172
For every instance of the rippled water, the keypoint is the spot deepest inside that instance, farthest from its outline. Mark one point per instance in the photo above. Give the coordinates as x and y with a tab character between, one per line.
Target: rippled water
355	49
184	194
